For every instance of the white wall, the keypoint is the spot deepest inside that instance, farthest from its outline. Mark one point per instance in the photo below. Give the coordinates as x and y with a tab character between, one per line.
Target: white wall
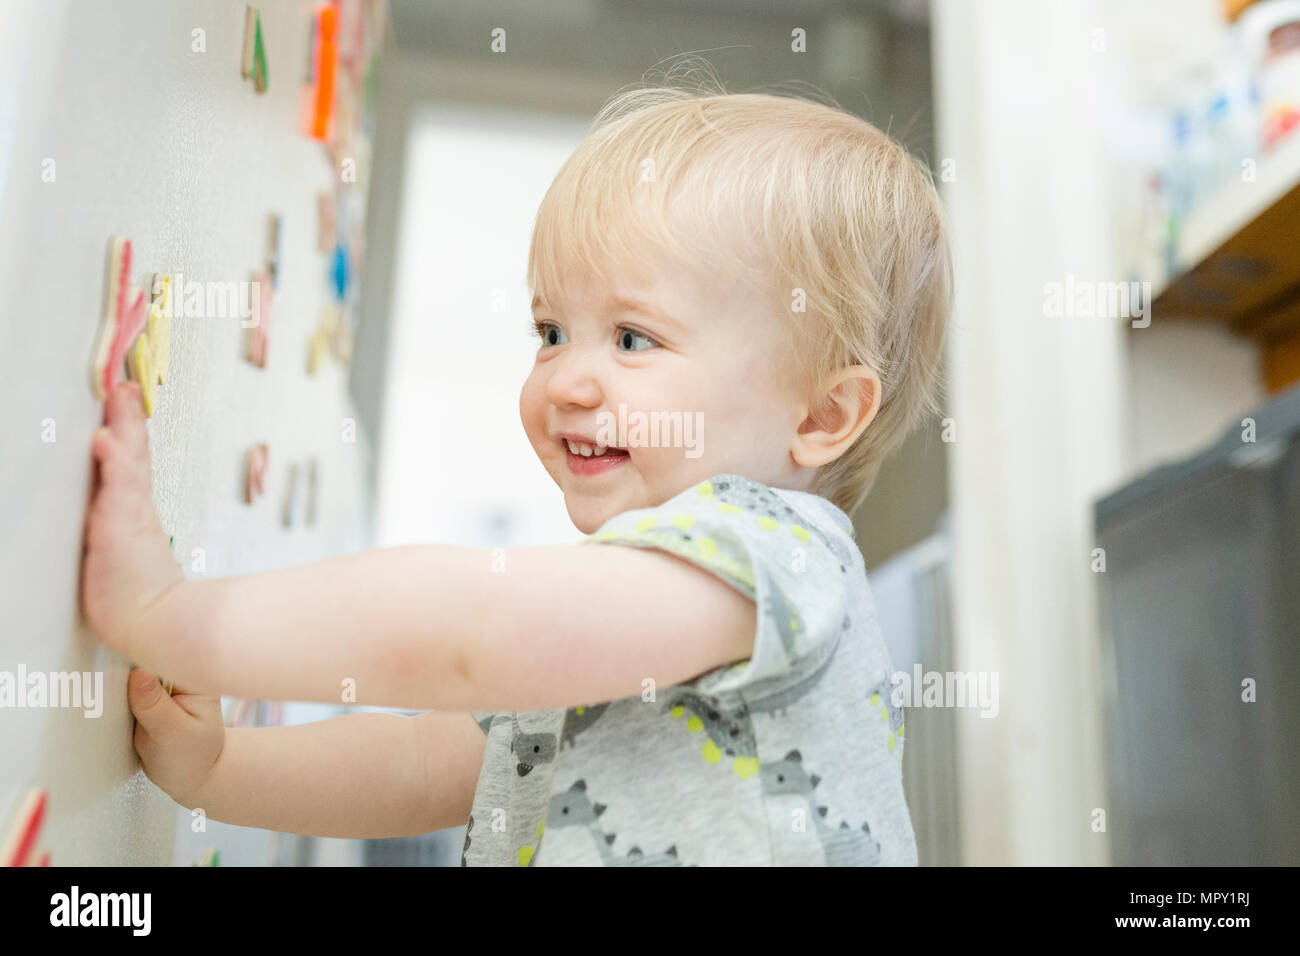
456	466
1187	383
1036	404
173	149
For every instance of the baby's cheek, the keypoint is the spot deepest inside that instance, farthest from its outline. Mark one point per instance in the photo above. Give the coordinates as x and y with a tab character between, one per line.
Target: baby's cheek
532	410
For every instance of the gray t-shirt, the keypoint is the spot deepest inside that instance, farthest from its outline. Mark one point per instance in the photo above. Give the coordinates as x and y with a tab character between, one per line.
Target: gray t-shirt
791	758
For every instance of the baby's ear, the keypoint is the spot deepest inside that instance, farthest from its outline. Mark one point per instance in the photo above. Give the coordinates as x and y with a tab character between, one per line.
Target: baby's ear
848	402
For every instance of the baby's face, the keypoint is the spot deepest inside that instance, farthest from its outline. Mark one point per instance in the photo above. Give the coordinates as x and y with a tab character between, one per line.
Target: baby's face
706	348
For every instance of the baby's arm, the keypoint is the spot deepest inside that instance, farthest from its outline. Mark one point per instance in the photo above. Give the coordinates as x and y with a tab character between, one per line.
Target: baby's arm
366	775
433	627
427	627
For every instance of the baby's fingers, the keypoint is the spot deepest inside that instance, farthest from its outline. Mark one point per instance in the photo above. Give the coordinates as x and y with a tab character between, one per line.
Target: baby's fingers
120	470
115	465
155	708
156	712
124	416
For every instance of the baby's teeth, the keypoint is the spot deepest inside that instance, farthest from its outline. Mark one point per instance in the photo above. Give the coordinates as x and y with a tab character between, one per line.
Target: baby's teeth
586	450
600	449
573	446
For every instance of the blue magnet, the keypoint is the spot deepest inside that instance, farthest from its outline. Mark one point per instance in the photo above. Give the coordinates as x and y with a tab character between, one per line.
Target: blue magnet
340	272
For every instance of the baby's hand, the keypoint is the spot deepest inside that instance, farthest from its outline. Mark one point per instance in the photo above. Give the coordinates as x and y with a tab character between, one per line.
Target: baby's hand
127	564
178	738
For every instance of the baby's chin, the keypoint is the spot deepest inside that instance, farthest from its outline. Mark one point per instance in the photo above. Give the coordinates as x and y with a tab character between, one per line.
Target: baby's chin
589	514
589	511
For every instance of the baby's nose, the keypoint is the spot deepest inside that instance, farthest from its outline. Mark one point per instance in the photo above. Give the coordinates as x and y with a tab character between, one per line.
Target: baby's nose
575	380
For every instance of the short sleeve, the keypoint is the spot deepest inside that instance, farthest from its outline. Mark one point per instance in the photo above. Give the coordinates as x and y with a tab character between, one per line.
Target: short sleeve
483	718
792	553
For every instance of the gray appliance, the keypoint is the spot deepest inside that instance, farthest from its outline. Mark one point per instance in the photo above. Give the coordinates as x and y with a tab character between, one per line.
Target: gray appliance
1199	602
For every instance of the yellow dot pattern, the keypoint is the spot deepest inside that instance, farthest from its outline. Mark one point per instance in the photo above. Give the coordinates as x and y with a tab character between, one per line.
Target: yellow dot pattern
706	550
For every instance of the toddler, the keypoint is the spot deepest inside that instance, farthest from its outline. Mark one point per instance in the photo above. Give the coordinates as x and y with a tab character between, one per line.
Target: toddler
701	679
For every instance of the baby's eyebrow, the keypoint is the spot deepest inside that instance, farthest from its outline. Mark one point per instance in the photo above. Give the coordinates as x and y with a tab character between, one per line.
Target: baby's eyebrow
624	303
628	304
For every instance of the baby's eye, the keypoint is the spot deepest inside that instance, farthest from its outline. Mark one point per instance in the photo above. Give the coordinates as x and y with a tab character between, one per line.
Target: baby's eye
627	340
549	333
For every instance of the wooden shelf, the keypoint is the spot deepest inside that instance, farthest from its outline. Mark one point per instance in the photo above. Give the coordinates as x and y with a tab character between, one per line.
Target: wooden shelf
1239	254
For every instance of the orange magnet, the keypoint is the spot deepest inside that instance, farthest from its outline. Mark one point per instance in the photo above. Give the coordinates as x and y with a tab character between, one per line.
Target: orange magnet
325	65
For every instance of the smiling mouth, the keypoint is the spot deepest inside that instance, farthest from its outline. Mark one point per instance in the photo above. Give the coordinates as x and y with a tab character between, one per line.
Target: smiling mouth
588	460
584	450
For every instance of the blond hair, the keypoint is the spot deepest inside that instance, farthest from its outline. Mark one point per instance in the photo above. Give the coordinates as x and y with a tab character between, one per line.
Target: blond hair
823	204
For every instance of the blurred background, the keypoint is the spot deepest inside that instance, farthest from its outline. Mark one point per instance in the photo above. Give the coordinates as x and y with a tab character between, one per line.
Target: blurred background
1106	514
1087	521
